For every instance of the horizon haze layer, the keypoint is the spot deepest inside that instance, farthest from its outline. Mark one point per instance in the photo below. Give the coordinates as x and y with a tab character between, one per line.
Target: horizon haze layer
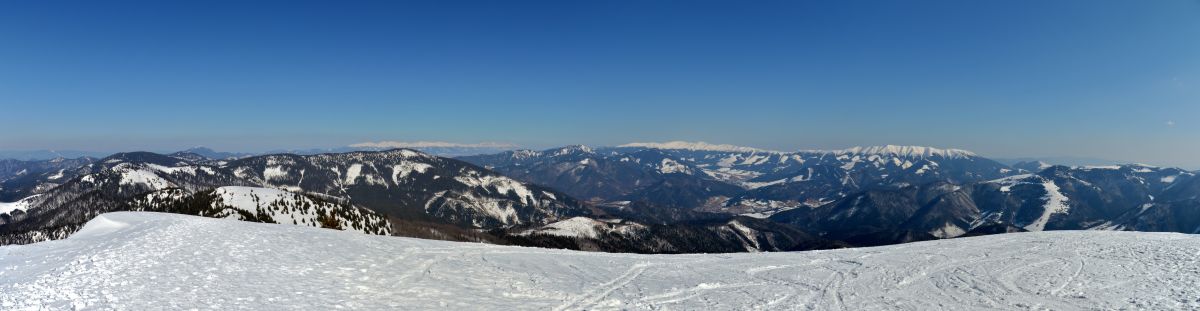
449	149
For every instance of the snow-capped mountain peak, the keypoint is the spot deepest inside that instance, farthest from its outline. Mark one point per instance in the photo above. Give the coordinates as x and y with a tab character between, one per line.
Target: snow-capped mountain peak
907	151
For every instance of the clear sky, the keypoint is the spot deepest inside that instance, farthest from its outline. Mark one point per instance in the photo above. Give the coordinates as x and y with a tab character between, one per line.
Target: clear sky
1108	79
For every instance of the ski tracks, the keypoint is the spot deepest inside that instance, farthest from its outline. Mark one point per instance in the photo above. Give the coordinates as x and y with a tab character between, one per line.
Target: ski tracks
593	296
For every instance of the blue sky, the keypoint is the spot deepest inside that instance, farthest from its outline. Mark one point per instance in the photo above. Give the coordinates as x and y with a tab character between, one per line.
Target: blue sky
1109	79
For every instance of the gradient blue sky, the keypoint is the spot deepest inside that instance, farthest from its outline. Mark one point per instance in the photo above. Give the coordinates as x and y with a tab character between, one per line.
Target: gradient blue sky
1109	79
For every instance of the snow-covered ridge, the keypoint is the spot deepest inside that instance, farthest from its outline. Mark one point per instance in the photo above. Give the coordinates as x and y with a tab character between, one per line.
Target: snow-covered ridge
906	151
697	146
288	208
128	261
135	175
569	150
583	227
890	150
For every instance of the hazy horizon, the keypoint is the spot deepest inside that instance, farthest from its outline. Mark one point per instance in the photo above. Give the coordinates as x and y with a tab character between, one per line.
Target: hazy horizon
491	147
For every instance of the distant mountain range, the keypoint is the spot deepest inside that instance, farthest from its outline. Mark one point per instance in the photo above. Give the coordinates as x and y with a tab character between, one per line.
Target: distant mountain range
731	180
34	155
200	152
1067	161
644	197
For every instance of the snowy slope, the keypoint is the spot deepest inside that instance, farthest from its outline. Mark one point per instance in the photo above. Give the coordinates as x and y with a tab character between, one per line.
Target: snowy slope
152	261
10	207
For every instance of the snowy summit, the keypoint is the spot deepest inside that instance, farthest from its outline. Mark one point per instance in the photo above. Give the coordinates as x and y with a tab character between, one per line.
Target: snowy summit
142	261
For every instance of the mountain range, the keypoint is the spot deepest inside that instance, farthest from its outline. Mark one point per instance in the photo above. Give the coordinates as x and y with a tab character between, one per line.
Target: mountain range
672	197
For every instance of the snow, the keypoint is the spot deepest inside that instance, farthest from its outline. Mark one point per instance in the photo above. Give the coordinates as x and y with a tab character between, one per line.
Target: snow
583	227
924	168
755	160
251	198
271	172
574	227
499	208
100	226
670	166
850	164
907	152
1056	203
1169	179
1006	183
19	205
568	150
755	185
746	232
948	231
190	170
1100	167
731	175
402	170
134	176
430	144
352	173
1011	180
797	178
695	146
283	207
767	208
57	175
502	185
143	261
728	161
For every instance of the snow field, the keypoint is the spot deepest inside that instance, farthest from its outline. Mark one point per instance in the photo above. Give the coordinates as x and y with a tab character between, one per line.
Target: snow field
154	261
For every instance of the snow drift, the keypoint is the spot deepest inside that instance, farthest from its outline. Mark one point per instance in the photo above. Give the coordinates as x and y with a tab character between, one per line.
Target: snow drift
138	261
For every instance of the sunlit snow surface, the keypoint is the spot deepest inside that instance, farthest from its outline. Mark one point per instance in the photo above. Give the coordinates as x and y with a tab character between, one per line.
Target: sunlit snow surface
142	261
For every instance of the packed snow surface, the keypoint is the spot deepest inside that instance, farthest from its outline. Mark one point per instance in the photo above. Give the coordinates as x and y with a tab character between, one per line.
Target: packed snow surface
142	261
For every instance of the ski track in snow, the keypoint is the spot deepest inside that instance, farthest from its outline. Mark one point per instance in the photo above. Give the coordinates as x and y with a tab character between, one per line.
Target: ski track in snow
142	261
